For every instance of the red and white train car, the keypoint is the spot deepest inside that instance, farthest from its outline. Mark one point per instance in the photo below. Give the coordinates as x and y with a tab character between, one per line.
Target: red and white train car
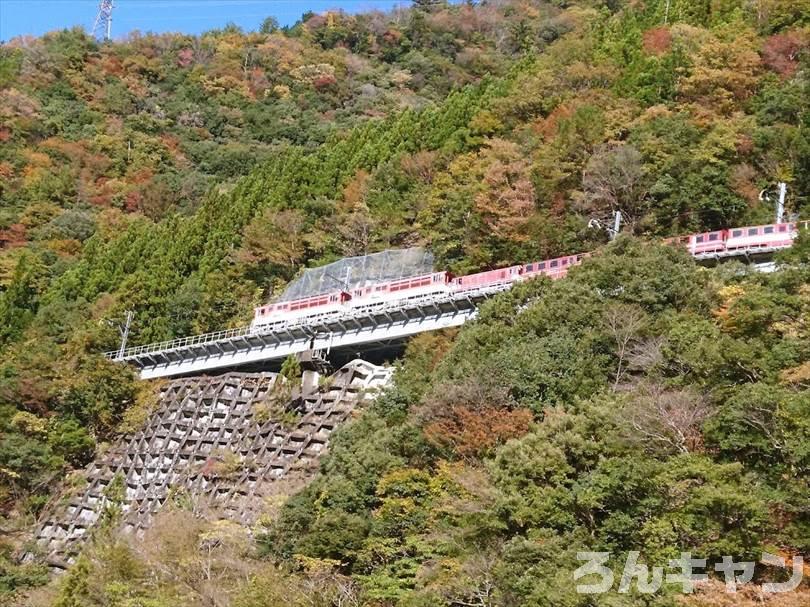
488	278
774	235
395	290
300	308
553	268
753	237
707	242
403	288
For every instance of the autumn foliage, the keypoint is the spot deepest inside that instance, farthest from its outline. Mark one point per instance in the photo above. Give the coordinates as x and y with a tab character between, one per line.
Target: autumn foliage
657	41
781	52
470	432
190	178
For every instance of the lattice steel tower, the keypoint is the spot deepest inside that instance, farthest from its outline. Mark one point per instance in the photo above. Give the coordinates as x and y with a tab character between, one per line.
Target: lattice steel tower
103	24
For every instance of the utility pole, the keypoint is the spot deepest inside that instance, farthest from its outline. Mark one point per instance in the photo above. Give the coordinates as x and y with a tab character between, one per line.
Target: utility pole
617	224
765	195
103	24
780	202
124	331
612	232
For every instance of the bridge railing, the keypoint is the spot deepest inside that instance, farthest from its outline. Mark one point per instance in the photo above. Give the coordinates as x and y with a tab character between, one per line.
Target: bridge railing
180	342
368	310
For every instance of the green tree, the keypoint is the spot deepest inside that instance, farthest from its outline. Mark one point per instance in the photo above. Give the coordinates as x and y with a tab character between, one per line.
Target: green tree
18	302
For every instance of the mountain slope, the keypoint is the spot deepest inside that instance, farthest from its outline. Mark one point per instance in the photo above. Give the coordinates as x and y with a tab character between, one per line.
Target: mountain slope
189	178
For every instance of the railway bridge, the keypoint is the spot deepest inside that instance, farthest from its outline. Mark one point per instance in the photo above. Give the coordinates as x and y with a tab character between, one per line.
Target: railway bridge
344	333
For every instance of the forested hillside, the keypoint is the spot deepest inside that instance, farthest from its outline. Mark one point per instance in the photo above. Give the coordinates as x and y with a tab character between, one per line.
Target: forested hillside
189	178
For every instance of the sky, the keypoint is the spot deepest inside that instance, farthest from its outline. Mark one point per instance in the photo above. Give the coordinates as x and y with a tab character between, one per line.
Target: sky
189	16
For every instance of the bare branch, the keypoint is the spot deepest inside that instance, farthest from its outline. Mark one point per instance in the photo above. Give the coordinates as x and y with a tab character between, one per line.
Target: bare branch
668	419
624	322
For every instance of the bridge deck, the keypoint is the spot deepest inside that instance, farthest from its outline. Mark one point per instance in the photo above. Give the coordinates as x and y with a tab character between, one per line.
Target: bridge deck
376	322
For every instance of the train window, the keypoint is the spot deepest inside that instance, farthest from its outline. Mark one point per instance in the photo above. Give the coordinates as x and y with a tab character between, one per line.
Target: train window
553	264
541	266
736	233
565	262
529	267
753	231
783	228
699	238
769	229
714	236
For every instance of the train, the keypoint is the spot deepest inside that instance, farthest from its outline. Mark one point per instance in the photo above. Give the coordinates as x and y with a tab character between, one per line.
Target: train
705	244
773	235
